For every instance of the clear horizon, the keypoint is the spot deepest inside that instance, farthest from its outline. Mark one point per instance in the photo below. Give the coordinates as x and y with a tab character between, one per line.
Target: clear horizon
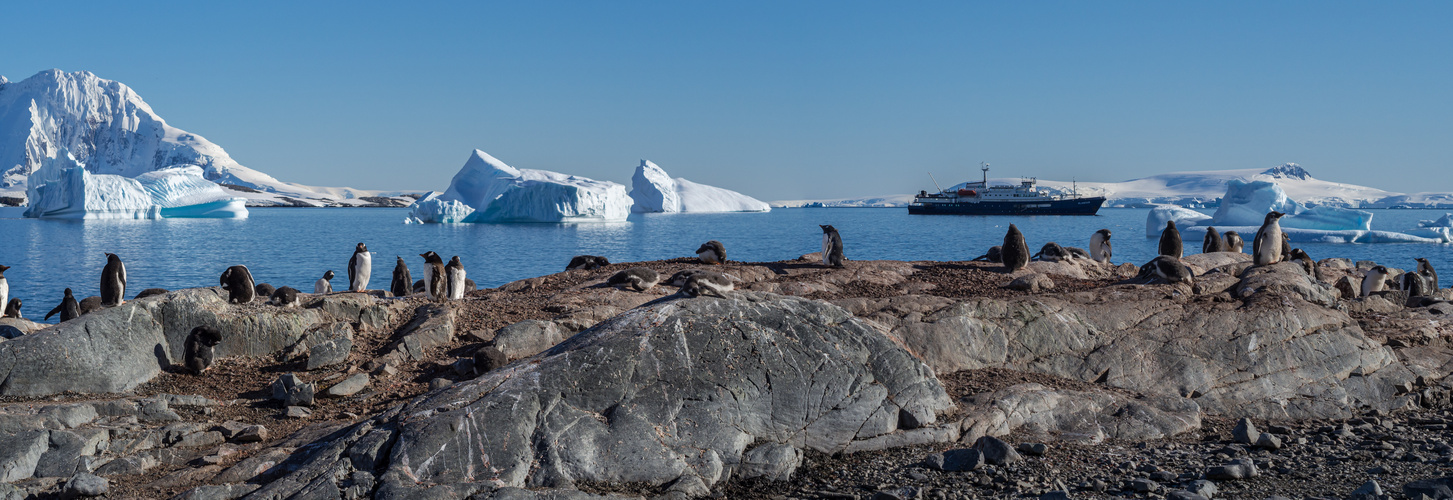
805	100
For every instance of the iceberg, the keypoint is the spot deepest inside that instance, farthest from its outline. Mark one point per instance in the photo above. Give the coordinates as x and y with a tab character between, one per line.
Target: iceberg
1184	218
1441	229
488	190
653	191
62	188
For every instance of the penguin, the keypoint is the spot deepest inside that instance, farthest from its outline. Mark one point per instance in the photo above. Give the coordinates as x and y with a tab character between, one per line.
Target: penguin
144	294
712	252
285	297
1015	252
113	281
1286	246
265	290
832	246
1078	253
679	279
68	308
1167	268
237	280
587	262
12	308
360	267
454	276
324	284
4	286
198	348
1052	252
708	283
1100	246
1374	281
639	279
434	284
1213	242
93	303
1266	247
1425	268
402	281
1413	283
1308	265
1170	240
1232	240
995	254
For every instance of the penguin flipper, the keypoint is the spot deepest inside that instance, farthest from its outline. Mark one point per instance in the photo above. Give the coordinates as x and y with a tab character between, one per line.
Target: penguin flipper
55	311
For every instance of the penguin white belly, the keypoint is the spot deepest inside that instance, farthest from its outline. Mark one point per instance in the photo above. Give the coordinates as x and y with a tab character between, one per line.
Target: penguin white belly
322	286
708	257
362	268
456	284
4	292
429	281
826	249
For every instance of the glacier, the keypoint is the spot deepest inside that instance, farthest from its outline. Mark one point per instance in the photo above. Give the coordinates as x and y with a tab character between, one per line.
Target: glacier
62	188
488	190
1244	208
653	191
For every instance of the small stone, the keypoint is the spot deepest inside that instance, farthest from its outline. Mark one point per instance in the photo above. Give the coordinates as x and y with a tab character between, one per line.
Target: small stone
298	412
1241	468
956	460
1183	495
439	383
87	485
489	358
996	451
157	410
251	434
292	391
464	367
329	353
1245	432
1268	441
230	428
1142	485
1033	449
1031	283
1369	489
349	386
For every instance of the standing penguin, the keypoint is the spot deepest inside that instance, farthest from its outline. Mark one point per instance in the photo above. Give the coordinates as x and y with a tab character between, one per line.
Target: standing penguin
1266	247
1425	268
237	280
832	246
4	286
402	281
1374	281
1233	242
12	308
1413	283
324	284
1100	246
1213	242
454	276
1015	251
360	267
113	281
197	355
712	252
1170	241
1286	246
68	308
434	284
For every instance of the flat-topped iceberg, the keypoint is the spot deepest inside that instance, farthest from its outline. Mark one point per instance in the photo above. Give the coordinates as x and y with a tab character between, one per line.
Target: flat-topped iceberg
488	190
655	192
62	188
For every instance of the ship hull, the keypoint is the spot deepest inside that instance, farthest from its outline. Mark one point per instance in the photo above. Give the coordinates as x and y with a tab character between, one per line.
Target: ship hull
1075	206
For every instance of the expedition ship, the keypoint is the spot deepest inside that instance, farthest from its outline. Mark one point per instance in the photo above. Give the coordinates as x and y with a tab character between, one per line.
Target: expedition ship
979	198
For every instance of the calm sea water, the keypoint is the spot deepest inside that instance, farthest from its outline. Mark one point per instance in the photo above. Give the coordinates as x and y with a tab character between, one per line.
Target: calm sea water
294	246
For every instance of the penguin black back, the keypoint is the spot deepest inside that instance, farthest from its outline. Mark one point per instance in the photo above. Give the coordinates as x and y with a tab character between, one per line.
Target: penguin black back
1213	242
832	246
69	309
12	308
264	289
285	297
198	348
1170	241
401	282
1015	251
434	277
587	262
1425	268
113	281
995	254
237	280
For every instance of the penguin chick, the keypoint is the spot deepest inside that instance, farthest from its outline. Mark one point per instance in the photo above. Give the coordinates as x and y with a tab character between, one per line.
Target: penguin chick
1170	241
324	285
1052	252
1374	281
1232	242
712	252
587	262
198	348
237	280
264	290
639	279
708	283
1100	246
401	284
285	297
12	308
1167	268
1213	241
1425	268
1015	251
679	279
995	255
68	308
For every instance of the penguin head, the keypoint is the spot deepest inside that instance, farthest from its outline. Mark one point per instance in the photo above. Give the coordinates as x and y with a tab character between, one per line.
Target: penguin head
1170	224
14	304
3	269
68	293
328	275
827	228
1297	253
361	248
1104	233
226	273
1379	270
1013	229
1273	215
111	257
455	262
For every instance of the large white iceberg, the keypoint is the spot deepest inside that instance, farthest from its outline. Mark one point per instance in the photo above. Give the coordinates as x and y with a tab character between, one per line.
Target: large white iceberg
488	190
654	191
62	188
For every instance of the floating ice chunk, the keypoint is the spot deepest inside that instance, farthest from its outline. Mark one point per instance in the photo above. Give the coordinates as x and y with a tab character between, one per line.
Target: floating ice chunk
63	188
654	191
1445	221
488	190
1184	217
1329	218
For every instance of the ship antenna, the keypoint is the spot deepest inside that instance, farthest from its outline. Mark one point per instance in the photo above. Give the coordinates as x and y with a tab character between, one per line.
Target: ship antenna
935	182
1074	188
985	167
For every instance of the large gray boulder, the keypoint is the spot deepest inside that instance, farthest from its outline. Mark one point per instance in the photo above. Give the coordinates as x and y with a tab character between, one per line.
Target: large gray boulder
1078	416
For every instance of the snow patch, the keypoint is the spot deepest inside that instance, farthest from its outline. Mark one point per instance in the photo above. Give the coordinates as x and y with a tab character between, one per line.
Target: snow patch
488	190
652	191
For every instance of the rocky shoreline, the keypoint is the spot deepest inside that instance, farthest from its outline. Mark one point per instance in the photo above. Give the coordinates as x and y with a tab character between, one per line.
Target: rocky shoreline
883	379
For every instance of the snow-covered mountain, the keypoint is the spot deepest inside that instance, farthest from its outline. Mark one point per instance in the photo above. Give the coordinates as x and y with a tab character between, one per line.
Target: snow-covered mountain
653	191
1204	189
107	127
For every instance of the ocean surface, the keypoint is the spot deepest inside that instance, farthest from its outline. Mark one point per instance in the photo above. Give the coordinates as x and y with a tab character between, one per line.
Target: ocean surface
294	246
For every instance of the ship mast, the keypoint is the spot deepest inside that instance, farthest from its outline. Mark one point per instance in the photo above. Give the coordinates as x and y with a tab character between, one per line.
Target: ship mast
984	166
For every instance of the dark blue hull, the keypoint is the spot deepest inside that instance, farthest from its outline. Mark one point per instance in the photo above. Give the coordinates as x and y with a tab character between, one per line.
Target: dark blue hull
1075	206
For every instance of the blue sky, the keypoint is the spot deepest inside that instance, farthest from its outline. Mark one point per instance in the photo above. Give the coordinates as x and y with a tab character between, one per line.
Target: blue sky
779	100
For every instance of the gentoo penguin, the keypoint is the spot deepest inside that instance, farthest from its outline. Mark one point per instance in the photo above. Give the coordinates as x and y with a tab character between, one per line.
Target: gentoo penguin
1213	242
454	278
12	308
237	280
92	304
712	252
285	297
1015	251
1078	253
68	308
639	279
708	283
1308	265
434	284
144	294
1233	242
360	267
1167	268
265	290
832	246
324	284
4	286
1413	283
1100	246
1170	240
402	281
995	254
1052	252
587	262
1374	281
679	279
198	348
1286	246
1266	247
1426	269
113	281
